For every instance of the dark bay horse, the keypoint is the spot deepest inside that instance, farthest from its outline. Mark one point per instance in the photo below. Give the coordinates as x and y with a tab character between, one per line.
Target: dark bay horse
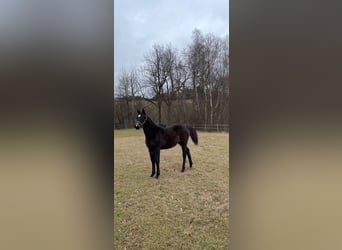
160	137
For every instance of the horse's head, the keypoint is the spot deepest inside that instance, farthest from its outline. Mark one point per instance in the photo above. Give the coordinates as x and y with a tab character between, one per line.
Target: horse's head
140	119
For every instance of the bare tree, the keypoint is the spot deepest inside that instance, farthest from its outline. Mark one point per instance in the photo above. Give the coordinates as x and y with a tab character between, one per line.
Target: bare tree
128	88
223	77
177	76
204	63
207	62
195	61
156	74
213	66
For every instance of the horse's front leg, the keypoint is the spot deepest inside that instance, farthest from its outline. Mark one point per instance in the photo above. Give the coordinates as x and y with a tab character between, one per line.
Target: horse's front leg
152	156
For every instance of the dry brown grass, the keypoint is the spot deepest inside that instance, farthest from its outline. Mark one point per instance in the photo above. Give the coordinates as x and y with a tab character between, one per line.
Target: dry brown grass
187	210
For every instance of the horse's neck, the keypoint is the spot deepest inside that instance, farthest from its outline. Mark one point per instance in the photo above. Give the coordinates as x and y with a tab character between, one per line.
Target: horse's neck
150	127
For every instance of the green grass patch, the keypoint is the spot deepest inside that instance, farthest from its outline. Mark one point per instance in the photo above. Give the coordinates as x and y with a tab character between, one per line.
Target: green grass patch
187	210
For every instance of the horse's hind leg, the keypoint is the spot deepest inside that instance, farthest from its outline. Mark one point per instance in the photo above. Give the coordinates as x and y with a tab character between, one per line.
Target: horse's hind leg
152	156
184	157
157	162
189	156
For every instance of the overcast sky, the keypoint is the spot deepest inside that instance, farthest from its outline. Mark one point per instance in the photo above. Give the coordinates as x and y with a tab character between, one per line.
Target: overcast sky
139	24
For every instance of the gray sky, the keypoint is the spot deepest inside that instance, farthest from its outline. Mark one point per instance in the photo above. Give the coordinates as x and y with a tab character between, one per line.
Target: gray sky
138	24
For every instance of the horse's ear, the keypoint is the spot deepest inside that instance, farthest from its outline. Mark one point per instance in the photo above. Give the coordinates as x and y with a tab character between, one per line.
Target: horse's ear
143	112
138	111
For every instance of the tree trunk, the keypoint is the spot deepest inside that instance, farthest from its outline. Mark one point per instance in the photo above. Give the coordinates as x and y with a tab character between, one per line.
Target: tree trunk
186	118
211	107
205	108
127	119
169	113
159	110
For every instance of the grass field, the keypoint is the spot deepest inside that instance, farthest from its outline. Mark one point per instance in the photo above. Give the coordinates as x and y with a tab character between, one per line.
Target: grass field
187	210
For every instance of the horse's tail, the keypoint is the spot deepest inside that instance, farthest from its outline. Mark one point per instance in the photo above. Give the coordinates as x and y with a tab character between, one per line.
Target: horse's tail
193	135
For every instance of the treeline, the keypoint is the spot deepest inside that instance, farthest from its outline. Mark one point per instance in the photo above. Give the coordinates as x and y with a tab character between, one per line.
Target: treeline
189	86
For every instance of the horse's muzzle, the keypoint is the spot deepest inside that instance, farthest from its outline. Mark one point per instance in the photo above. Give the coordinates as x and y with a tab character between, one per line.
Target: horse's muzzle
137	126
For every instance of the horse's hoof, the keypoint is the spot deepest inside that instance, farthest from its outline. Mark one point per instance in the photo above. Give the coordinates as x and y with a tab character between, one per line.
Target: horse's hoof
157	176
182	170
151	175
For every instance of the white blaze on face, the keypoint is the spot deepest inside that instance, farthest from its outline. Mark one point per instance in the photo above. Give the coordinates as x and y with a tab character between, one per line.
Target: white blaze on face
137	122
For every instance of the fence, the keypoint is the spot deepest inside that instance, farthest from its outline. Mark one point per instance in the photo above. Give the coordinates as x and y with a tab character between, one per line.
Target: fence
199	127
211	127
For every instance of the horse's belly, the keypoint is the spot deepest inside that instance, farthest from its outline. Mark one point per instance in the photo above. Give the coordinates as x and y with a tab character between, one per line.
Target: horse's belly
170	145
